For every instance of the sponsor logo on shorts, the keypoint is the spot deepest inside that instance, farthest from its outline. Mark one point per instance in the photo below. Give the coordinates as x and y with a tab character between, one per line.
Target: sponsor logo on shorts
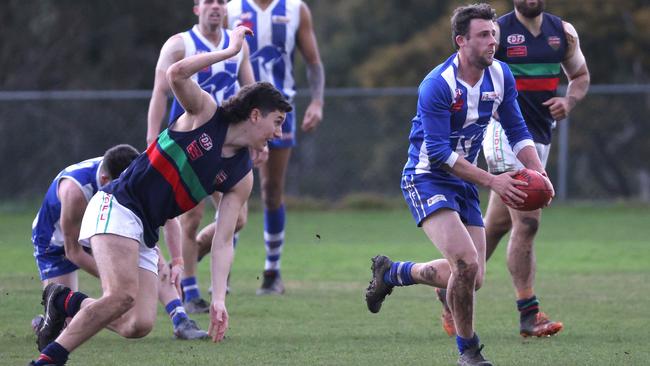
105	207
516	39
554	42
206	142
194	151
489	96
517	51
435	199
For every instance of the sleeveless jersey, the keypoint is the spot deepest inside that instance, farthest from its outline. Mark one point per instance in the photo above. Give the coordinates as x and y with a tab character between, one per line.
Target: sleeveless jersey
220	79
273	45
452	116
176	172
535	63
46	229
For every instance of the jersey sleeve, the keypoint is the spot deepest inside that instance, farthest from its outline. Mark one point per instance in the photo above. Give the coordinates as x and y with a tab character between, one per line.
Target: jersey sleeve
511	118
434	101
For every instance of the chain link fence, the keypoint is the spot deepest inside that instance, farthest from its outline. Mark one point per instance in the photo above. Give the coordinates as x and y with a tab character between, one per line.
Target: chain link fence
360	147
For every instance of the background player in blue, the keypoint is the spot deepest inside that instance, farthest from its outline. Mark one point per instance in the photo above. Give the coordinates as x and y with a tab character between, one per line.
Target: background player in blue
535	45
280	26
56	232
220	80
455	103
204	150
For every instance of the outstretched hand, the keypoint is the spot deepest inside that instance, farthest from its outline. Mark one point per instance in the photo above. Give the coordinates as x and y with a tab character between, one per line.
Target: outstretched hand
218	321
237	37
506	187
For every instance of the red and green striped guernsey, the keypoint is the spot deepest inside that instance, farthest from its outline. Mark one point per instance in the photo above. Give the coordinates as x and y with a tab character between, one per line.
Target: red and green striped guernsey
535	64
176	172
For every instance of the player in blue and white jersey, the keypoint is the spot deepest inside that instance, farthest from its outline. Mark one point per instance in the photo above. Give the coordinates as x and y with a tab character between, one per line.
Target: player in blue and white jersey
55	231
280	26
455	103
221	81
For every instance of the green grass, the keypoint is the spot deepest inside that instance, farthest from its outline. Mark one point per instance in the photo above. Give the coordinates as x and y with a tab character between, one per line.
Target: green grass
593	274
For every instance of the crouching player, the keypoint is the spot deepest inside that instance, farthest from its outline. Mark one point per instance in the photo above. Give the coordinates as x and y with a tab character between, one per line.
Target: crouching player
56	228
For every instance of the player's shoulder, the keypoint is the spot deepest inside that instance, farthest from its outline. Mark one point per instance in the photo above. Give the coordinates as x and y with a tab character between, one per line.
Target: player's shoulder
569	29
506	18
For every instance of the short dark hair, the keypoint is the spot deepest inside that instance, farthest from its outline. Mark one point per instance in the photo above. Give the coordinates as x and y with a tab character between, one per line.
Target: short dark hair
117	159
261	95
463	15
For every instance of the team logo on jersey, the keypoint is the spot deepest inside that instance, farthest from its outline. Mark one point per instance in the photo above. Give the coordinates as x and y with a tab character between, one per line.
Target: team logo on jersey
517	51
206	142
554	42
194	151
516	39
435	199
280	19
457	103
489	96
220	178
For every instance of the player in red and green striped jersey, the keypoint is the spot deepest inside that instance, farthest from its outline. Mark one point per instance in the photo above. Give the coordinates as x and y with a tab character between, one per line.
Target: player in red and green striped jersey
206	150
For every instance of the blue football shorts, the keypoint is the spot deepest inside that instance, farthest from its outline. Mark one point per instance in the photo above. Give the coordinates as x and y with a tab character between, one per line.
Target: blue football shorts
428	193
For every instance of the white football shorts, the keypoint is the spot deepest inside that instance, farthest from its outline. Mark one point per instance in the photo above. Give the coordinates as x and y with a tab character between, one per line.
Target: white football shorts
104	215
499	155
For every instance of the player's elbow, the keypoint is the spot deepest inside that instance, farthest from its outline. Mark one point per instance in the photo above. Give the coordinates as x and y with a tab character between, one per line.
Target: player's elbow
175	73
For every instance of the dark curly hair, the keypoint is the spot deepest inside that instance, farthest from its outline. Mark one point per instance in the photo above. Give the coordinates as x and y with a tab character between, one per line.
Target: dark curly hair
261	95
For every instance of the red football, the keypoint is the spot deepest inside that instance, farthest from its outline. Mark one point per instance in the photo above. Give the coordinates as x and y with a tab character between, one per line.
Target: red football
539	189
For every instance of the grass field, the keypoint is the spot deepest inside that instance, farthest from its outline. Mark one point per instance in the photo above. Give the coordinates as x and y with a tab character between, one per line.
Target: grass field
593	274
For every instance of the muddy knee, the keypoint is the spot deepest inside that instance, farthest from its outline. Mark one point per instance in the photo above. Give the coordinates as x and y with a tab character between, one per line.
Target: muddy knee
466	270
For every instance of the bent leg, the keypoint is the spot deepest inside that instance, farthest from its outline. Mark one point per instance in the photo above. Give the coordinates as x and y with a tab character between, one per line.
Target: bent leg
117	263
140	319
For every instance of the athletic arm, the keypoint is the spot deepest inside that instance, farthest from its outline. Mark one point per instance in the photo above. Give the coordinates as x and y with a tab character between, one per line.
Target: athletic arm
222	251
172	230
196	102
73	206
577	73
172	51
308	46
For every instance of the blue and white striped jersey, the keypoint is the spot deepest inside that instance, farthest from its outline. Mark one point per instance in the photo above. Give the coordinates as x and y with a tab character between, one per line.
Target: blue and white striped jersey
46	229
220	80
273	45
452	116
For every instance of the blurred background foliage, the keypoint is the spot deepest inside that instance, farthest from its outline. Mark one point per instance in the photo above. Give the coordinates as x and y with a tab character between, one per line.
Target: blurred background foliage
77	44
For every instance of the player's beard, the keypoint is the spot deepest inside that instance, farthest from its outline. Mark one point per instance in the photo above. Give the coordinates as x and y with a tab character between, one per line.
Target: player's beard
530	12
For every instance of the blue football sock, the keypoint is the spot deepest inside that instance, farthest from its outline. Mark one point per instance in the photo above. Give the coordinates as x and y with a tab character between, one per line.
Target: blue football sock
176	311
190	288
464	344
399	274
274	221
